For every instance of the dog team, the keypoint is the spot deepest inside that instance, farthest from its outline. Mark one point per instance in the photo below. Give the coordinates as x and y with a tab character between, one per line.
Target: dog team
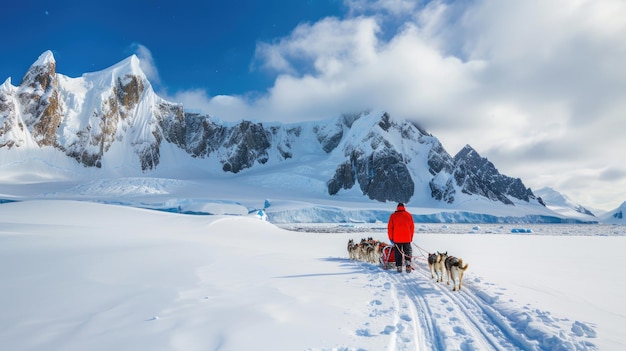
367	250
373	251
400	230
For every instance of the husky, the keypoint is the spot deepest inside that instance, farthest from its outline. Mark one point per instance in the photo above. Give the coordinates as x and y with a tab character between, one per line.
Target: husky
352	250
455	270
368	250
436	265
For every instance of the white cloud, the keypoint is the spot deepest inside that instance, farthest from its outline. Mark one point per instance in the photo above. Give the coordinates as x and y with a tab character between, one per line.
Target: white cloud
325	48
392	7
146	62
536	86
223	107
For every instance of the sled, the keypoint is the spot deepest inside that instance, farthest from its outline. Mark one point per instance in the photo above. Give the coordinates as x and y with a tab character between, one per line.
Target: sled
387	257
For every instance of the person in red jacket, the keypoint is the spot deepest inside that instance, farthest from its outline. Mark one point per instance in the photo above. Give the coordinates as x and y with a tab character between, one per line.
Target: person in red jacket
400	231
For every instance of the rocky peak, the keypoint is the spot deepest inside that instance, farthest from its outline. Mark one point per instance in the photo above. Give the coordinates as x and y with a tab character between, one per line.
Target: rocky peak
41	74
113	105
467	152
39	98
374	161
475	175
6	87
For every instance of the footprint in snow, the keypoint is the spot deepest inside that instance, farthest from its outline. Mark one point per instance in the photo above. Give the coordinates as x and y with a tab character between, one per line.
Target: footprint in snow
388	330
459	330
363	332
406	318
468	346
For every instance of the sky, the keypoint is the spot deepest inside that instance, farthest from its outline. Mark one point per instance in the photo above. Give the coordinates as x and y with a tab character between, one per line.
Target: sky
124	278
535	86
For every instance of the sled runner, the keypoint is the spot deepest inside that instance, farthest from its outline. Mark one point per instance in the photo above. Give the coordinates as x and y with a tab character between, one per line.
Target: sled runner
387	257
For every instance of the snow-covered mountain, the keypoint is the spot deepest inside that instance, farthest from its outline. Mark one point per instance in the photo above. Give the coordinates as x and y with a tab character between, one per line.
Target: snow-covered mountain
111	123
85	117
561	203
617	216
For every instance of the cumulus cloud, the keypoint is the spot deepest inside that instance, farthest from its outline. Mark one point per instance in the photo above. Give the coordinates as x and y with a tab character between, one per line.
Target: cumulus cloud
537	86
222	107
348	68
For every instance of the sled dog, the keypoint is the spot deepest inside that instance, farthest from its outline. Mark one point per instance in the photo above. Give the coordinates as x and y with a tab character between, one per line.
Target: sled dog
436	265
455	270
352	250
367	250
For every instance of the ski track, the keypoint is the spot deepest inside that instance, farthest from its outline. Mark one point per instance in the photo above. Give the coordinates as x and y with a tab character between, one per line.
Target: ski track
426	315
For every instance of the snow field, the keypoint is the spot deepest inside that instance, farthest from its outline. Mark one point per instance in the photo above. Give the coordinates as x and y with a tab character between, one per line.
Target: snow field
81	275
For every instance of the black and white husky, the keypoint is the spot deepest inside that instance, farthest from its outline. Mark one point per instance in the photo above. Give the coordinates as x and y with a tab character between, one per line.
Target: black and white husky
455	270
436	265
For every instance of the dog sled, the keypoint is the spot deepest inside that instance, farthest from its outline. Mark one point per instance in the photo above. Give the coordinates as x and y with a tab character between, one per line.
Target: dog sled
440	264
372	251
387	257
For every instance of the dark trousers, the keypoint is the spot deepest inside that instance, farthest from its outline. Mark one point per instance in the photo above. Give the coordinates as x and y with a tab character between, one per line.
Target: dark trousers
403	250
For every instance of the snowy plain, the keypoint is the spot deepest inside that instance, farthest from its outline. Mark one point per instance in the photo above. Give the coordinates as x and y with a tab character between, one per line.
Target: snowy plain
81	272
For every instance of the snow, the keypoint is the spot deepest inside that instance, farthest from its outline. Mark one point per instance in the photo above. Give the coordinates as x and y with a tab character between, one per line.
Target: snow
185	257
89	266
44	59
563	204
616	216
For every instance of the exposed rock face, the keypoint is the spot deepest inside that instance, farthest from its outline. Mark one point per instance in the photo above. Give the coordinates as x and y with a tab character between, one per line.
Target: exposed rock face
202	136
116	108
11	127
444	192
375	163
475	175
246	143
381	176
172	121
237	147
329	136
439	160
38	97
384	176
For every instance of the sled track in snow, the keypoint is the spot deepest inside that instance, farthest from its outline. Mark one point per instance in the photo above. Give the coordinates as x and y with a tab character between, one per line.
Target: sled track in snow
430	316
449	321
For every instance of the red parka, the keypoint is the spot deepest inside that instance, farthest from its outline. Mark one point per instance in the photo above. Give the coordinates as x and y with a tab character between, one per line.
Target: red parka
400	227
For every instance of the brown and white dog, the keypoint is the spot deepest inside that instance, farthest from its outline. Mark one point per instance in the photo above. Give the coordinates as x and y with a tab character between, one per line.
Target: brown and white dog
436	265
455	271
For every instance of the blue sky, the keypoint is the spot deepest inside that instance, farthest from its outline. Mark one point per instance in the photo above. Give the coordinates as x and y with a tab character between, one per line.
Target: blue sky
194	44
536	86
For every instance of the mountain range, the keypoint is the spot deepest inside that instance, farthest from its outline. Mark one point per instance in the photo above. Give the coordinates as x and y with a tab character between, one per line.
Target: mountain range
111	123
